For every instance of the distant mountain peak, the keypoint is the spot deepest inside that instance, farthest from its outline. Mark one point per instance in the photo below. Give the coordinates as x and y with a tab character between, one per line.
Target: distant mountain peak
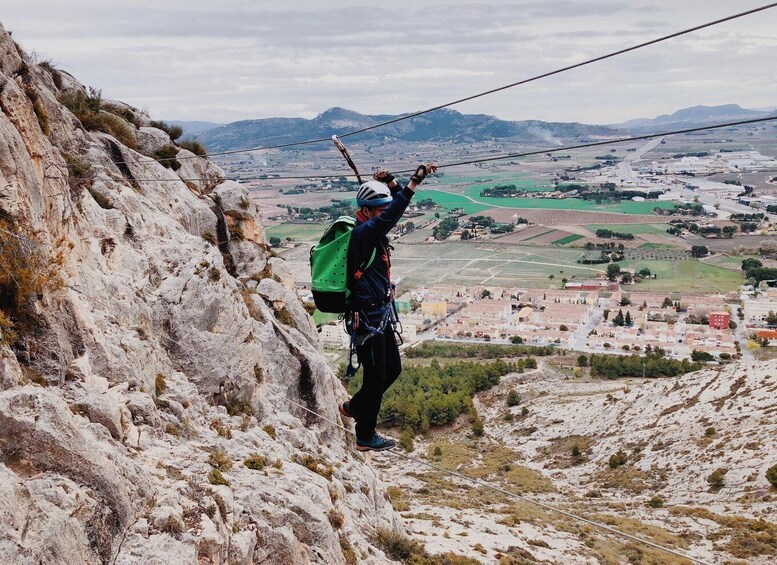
693	115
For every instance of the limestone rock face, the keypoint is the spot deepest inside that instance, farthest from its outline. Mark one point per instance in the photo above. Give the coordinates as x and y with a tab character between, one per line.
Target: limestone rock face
152	139
164	355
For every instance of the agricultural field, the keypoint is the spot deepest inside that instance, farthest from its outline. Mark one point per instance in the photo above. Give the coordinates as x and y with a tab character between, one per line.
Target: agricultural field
571	238
502	265
733	263
688	275
298	232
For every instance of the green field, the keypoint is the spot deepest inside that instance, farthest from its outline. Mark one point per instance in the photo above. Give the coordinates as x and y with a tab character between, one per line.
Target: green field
689	275
732	263
298	232
450	201
568	239
521	182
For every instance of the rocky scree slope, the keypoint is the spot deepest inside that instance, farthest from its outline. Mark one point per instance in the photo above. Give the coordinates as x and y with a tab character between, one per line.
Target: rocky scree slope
148	344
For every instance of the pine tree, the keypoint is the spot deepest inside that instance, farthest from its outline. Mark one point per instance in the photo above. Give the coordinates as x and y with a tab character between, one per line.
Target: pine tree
627	320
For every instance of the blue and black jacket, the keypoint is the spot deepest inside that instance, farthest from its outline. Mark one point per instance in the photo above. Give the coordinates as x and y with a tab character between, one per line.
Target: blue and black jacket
371	289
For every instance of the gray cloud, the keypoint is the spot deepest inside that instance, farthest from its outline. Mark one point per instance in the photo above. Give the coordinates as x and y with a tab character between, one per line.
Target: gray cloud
242	59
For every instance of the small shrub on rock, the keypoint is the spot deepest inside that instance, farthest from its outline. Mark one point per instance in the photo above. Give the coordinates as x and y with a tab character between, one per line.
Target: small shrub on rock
336	519
478	428
771	475
656	502
160	385
717	478
216	478
255	462
406	440
219	459
513	398
166	157
194	146
618	459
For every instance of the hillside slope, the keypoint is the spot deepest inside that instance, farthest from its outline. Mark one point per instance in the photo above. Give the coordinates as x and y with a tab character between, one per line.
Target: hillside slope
149	345
673	435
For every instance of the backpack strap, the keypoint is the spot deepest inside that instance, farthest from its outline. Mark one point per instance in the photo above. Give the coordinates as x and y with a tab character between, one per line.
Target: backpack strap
364	266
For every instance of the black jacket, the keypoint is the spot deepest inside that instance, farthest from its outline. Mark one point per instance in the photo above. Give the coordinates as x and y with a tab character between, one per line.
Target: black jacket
373	287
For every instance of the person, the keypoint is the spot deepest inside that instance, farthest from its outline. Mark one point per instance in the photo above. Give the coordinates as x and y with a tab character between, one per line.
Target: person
372	316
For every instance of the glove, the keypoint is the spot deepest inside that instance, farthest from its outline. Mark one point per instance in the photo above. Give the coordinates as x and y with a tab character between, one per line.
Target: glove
419	175
383	176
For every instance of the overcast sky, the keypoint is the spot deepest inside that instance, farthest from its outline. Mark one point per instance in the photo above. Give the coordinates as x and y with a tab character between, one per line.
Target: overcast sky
226	61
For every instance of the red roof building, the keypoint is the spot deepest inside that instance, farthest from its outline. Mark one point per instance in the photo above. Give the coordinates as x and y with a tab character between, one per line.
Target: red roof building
719	320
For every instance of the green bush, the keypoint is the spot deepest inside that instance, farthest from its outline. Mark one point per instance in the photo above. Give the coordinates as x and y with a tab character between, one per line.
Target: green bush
118	128
618	459
717	478
513	398
576	452
216	478
218	459
406	440
255	462
656	502
396	545
478	428
709	432
194	146
771	475
123	112
87	107
166	157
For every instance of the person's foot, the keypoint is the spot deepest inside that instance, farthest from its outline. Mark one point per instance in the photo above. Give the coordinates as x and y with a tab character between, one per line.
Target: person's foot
376	443
345	409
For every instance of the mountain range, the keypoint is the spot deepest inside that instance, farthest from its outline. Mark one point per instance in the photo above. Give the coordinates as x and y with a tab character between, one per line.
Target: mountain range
440	125
445	125
695	115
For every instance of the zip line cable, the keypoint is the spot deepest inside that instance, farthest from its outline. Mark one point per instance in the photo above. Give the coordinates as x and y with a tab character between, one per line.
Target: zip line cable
493	90
347	174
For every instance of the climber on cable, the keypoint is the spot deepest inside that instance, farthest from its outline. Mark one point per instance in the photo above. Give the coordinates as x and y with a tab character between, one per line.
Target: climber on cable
372	317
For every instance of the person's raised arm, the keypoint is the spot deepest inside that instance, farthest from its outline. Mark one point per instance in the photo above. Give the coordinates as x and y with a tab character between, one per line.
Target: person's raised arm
381	224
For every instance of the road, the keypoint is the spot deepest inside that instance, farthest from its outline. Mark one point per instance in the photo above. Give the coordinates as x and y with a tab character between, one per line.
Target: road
625	171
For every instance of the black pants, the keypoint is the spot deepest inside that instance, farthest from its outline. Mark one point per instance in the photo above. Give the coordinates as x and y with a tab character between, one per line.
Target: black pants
379	358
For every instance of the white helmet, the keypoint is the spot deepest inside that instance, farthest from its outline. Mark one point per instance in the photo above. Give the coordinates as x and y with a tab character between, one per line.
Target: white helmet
373	193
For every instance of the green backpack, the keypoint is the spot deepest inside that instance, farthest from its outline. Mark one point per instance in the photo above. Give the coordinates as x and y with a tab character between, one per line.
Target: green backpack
331	277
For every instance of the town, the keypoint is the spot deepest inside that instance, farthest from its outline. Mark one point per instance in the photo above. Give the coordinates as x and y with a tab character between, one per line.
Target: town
594	316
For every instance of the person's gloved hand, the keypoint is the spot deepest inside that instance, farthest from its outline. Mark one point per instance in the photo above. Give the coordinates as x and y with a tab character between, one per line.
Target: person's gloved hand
383	176
421	172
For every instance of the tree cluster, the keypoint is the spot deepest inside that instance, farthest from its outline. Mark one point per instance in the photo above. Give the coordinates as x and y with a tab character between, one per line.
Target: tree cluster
607	234
437	394
614	366
429	349
755	272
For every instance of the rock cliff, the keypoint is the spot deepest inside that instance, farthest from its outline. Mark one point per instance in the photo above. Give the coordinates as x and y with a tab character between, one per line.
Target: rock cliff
151	355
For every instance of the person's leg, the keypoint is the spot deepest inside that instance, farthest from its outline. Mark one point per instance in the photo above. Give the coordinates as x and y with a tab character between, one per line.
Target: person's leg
365	404
393	361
